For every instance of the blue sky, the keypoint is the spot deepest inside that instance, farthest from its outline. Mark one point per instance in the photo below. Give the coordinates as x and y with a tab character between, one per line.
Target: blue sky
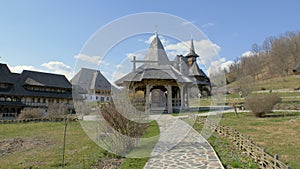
47	35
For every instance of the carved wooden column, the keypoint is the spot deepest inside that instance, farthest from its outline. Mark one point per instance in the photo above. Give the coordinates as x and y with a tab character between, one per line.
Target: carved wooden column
147	98
181	97
170	109
187	98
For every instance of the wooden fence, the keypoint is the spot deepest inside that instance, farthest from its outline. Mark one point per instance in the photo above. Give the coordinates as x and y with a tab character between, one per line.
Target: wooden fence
41	119
246	145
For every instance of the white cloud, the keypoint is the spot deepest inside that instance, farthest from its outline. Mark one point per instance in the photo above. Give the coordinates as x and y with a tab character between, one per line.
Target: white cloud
50	67
20	68
86	58
188	22
247	54
207	25
162	39
58	68
207	50
219	65
55	65
226	65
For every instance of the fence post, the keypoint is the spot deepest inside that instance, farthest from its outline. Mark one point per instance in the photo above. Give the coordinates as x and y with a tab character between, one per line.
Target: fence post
275	160
263	157
64	142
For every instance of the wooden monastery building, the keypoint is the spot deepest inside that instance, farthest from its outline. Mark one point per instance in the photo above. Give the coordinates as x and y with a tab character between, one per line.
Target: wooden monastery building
166	84
91	86
31	89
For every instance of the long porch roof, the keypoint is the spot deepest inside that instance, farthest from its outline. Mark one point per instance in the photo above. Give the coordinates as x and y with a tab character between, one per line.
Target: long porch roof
158	72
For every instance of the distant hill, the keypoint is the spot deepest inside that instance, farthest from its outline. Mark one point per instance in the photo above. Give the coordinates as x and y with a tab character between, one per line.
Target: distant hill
268	66
288	83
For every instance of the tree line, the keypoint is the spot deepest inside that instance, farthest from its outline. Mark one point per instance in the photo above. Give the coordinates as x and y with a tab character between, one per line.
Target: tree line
276	56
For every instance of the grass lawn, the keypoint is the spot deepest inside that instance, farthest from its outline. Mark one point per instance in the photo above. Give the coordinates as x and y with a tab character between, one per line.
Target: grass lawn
279	135
289	82
152	133
39	145
230	156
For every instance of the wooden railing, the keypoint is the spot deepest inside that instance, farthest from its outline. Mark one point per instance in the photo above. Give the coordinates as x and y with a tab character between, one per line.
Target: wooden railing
246	145
41	119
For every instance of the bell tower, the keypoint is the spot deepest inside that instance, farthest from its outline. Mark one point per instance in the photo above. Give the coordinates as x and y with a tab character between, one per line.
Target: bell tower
191	56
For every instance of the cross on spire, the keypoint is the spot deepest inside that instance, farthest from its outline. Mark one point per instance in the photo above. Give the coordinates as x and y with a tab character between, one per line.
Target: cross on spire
156	30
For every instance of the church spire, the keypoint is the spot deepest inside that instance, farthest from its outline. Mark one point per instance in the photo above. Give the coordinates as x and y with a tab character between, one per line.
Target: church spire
192	50
156	53
192	56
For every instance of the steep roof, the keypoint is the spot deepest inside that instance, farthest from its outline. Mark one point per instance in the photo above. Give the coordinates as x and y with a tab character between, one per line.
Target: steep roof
44	79
181	63
91	79
196	71
192	52
27	77
156	53
5	74
159	72
156	66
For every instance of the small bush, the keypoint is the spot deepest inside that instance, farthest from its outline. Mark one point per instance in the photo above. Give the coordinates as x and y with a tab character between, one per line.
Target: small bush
122	141
260	104
30	114
56	112
120	123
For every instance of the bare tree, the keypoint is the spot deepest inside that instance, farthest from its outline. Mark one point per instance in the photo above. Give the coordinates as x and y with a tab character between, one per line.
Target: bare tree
281	59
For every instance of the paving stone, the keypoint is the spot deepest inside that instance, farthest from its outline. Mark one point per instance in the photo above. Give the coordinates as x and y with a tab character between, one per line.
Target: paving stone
180	146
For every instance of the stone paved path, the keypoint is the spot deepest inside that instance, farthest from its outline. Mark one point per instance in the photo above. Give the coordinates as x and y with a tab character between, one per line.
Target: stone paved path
180	146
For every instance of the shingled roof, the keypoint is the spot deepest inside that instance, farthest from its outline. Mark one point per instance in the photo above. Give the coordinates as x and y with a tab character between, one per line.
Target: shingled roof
5	74
196	71
160	72
156	66
33	78
156	53
192	52
44	79
90	79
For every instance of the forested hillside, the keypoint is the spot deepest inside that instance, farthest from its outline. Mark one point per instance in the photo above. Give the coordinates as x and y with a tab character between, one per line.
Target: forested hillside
275	57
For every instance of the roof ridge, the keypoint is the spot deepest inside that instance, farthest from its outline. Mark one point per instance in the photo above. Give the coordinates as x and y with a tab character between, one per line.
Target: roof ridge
156	52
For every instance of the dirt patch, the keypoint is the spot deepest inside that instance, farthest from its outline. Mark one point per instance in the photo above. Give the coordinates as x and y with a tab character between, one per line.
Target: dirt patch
9	146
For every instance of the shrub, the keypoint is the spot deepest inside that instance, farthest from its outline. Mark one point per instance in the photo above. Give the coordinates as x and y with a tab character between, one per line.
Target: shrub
30	114
56	111
122	125
260	104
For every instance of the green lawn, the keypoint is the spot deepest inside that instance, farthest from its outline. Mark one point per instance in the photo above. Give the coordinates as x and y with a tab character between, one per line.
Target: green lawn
289	82
39	145
230	156
42	146
279	134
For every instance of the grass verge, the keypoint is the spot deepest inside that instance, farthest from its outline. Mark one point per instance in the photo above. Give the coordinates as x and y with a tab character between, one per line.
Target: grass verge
230	156
152	133
278	133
